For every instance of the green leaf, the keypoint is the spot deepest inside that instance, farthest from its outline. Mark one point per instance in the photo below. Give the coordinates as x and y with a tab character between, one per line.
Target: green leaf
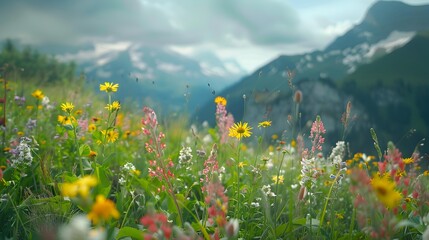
104	184
84	150
300	221
130	232
281	229
68	127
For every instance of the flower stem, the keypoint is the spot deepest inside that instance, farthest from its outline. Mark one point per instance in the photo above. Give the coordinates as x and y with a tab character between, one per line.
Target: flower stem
327	199
238	179
277	188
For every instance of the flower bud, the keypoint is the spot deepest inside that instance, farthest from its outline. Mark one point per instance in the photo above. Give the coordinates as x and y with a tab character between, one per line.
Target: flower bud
298	96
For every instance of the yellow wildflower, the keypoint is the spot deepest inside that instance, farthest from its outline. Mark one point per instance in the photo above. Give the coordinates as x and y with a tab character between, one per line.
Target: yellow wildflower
92	127
103	210
408	161
241	164
67	107
115	106
80	187
126	134
109	87
220	100
385	191
278	180
66	120
38	94
293	143
92	154
264	124
111	135
240	130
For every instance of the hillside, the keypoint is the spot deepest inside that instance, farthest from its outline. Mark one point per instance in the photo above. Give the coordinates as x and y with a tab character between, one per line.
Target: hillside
407	63
394	90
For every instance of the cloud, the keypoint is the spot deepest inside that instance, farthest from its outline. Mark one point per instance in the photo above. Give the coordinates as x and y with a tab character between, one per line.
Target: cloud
253	31
163	22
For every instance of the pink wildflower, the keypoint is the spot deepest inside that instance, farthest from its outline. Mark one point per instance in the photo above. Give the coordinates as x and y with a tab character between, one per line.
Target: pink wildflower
317	129
218	202
210	166
150	117
224	122
159	168
157	225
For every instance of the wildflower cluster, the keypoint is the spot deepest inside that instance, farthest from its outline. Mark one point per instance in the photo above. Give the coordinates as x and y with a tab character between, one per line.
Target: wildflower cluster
223	119
157	226
127	171
79	188
211	166
316	135
103	210
185	157
22	154
217	202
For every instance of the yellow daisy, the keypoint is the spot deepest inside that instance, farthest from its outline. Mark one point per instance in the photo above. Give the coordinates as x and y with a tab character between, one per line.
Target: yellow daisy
111	135
103	210
79	187
240	130
264	124
38	94
92	127
65	120
115	106
220	100
385	191
109	87
241	164
67	107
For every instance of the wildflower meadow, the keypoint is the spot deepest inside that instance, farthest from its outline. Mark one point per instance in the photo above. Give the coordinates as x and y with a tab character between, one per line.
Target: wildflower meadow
80	164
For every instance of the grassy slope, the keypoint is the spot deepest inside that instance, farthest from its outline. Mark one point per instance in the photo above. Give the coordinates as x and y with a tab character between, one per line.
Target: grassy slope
407	63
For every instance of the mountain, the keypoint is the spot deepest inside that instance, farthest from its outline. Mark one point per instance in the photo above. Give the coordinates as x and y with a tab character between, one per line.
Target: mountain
388	47
383	18
157	76
394	90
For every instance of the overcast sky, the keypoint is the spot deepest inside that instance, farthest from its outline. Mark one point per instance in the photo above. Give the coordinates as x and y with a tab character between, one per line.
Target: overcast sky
251	31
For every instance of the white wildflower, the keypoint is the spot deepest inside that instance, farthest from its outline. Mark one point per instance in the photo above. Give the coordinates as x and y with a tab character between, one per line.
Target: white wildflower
338	153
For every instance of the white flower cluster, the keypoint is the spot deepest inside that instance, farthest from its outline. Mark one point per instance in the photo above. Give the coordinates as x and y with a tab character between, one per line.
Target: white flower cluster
308	171
21	155
185	156
79	227
266	189
338	153
46	103
128	167
256	203
126	170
